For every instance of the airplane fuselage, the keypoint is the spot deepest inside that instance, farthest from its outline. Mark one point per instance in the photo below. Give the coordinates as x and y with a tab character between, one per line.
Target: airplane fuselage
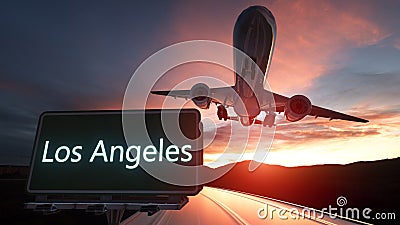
254	35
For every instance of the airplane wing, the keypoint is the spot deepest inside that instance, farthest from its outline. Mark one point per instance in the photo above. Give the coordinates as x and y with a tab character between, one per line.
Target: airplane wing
175	93
227	95
221	95
316	111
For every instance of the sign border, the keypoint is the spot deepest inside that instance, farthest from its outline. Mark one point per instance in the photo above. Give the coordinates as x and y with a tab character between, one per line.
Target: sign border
199	160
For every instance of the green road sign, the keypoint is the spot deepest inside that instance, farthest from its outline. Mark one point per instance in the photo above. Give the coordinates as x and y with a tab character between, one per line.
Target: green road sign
87	152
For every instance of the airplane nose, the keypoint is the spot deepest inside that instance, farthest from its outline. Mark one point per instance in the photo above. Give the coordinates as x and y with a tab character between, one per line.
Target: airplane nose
254	34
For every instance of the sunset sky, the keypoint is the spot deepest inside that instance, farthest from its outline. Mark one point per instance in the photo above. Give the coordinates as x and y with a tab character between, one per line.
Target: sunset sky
343	55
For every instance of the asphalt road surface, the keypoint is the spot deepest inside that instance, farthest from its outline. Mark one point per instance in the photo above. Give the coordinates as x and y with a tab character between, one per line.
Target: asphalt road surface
218	206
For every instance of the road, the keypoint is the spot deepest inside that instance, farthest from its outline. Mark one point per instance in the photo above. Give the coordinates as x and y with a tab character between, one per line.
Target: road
218	206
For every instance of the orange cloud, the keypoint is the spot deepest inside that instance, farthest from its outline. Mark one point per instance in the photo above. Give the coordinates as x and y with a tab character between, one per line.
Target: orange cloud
319	141
310	33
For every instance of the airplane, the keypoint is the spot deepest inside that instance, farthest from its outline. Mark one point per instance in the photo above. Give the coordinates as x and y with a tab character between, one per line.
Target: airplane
254	34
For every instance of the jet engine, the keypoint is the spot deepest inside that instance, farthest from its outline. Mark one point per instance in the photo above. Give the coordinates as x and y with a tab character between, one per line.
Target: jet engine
200	95
297	107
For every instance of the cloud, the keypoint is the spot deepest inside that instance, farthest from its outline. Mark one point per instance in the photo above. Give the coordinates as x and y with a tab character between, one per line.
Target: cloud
396	43
323	130
348	88
68	60
382	122
234	138
316	139
310	34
